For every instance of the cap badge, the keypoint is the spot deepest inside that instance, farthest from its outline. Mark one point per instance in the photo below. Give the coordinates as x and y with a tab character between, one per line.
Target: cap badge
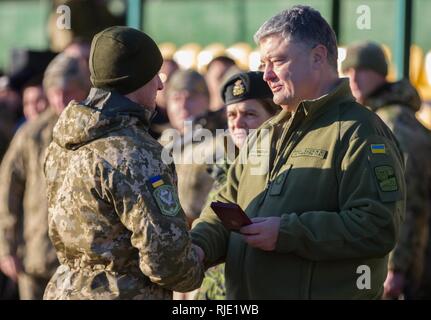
238	88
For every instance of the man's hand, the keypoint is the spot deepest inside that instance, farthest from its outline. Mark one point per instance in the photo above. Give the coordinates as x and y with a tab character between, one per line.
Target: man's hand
394	285
11	267
262	233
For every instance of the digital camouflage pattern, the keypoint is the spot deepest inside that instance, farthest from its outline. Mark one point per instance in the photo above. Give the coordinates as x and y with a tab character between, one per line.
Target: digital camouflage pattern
213	286
396	104
23	205
324	179
106	182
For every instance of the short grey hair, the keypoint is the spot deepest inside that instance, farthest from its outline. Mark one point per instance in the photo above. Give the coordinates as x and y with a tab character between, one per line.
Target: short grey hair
64	69
302	24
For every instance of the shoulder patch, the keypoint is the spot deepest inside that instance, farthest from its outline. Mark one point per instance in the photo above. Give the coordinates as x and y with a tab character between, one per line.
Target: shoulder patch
386	178
165	196
167	200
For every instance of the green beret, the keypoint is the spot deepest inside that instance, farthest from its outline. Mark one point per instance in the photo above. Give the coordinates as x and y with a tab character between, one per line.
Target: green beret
123	59
245	85
365	55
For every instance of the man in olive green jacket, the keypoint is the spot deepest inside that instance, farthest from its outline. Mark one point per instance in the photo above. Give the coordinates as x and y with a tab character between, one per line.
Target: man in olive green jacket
322	181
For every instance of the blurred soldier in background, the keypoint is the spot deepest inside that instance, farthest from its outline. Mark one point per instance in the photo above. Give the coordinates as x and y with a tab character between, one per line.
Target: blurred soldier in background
396	104
114	215
26	67
187	100
33	99
26	253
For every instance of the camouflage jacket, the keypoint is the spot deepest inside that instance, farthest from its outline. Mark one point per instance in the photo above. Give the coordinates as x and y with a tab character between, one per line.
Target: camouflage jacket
23	205
114	215
396	104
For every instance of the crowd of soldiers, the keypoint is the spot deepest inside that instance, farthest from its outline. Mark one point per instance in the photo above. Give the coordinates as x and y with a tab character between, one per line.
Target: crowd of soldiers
75	143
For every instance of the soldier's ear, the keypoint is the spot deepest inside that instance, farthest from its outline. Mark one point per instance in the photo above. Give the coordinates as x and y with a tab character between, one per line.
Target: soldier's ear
319	56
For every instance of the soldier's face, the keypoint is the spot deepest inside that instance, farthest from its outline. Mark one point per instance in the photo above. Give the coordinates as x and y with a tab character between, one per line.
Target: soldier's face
59	97
242	117
185	105
288	70
146	95
363	82
34	102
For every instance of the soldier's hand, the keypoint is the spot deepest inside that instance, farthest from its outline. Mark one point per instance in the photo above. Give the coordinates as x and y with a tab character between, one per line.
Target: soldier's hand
262	233
11	267
394	285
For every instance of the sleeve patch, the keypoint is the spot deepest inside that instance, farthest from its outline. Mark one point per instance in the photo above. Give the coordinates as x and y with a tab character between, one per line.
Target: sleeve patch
167	200
386	178
165	196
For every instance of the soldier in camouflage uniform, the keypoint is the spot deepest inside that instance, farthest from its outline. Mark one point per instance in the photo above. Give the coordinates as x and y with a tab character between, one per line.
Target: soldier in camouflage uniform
26	253
114	215
248	101
396	104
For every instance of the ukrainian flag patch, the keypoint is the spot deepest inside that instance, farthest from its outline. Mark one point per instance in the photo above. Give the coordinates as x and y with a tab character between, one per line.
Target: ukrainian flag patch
378	148
156	181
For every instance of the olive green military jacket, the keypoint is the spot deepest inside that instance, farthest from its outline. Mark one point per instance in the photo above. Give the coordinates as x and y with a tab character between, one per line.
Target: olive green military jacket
114	215
23	204
334	174
396	104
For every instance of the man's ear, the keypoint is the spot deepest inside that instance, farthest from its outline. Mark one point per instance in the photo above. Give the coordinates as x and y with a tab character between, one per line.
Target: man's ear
319	56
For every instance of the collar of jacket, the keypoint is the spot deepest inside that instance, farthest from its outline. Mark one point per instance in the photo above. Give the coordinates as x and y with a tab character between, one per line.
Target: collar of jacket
112	104
313	108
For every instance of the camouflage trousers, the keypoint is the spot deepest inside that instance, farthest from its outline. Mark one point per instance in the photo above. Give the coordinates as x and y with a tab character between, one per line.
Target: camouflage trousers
213	285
